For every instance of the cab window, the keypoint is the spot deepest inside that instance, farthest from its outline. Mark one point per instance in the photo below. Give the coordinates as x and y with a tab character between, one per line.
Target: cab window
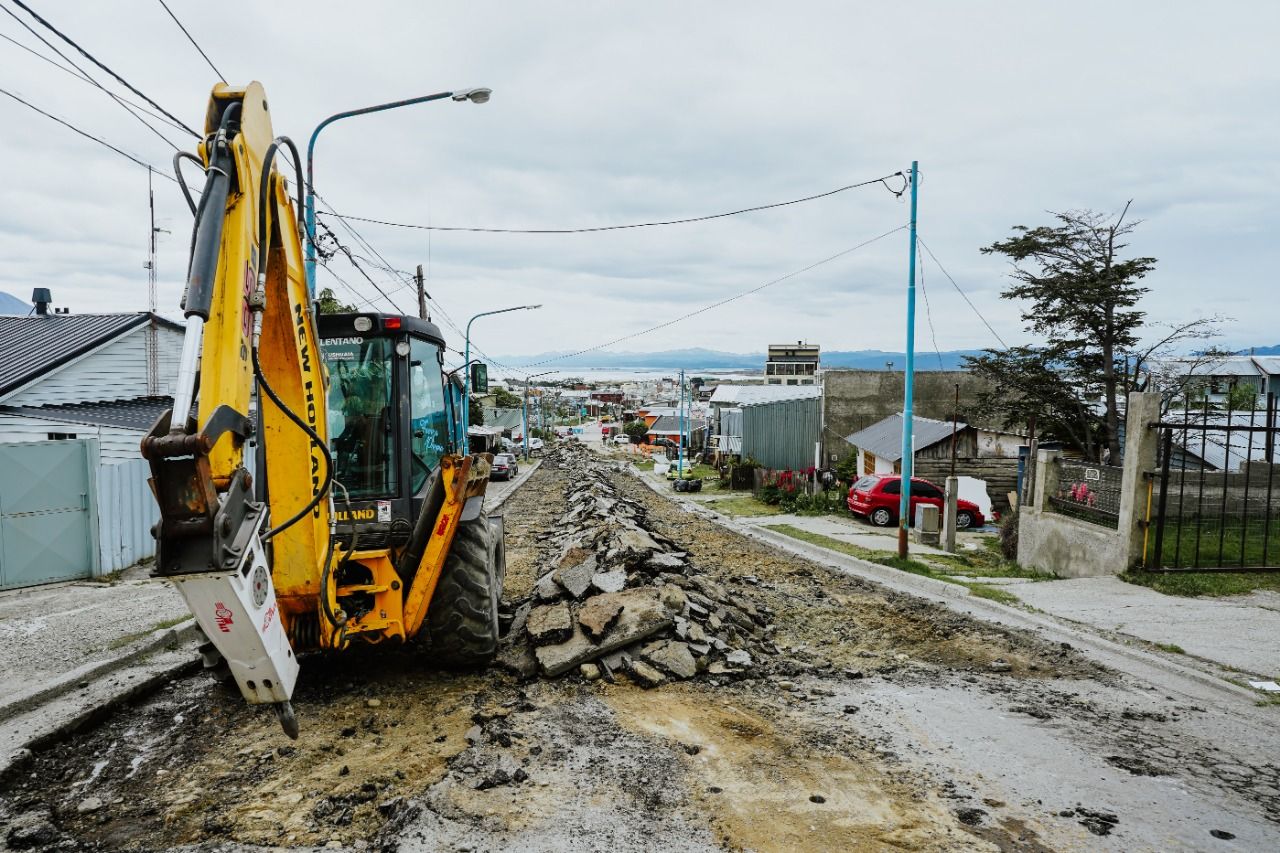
362	415
428	422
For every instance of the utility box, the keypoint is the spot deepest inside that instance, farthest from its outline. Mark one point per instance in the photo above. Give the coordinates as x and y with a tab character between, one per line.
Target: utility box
928	524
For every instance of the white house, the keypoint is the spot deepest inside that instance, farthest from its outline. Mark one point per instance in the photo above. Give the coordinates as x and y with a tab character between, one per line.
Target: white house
104	376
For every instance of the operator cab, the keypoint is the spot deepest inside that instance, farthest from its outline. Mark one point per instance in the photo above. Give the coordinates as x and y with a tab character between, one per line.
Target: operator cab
391	418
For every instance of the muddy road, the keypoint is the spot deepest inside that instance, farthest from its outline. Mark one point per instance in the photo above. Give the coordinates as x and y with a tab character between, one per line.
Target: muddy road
867	720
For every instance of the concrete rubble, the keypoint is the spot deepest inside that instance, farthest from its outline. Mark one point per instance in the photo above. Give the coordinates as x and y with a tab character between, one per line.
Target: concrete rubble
616	597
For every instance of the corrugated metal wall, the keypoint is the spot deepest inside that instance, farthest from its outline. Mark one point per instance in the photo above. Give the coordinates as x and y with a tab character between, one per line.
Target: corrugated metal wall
782	434
126	511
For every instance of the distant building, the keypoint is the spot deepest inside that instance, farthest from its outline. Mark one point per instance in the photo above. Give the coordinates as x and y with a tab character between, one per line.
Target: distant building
793	364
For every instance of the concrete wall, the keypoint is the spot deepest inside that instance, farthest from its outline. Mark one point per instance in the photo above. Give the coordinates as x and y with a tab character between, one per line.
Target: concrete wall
856	399
1072	548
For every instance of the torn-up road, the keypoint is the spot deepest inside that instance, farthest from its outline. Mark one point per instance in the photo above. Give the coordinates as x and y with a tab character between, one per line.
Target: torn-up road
667	684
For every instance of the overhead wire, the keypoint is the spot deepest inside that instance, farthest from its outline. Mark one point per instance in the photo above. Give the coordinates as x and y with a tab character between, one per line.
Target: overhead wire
125	106
881	180
928	315
86	134
963	295
84	78
194	44
47	25
718	304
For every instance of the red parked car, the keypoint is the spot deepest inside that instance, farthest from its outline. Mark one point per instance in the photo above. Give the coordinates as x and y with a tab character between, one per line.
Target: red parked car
877	497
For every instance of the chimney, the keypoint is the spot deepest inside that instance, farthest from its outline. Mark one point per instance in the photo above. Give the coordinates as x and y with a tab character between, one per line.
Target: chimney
42	299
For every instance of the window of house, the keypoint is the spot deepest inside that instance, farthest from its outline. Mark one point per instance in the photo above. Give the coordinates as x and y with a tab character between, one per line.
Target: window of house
61	436
868	462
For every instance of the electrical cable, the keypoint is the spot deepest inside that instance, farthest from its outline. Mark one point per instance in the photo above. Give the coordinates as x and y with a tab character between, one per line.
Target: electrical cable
85	134
98	63
961	292
264	199
884	181
107	91
191	39
715	305
80	75
928	315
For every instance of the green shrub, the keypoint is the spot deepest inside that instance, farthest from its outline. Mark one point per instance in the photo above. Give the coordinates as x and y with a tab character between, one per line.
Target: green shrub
1009	535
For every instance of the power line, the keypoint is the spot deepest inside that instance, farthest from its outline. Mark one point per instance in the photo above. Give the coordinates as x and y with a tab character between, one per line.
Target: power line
191	39
962	293
86	134
89	78
719	304
82	77
928	315
350	257
884	181
98	63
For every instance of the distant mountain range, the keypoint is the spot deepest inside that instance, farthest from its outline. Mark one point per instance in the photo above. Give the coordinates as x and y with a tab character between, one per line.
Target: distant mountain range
10	304
698	358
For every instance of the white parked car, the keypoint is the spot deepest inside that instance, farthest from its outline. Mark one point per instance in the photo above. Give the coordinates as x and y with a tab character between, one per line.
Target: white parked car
621	438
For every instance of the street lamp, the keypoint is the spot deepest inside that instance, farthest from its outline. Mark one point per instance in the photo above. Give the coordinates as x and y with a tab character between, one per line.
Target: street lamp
466	358
524	412
475	96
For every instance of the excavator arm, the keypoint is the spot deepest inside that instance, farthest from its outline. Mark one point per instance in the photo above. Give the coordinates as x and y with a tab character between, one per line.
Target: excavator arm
249	321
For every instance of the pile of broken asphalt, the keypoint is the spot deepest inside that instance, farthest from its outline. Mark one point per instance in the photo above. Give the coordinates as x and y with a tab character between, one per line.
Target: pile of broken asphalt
616	597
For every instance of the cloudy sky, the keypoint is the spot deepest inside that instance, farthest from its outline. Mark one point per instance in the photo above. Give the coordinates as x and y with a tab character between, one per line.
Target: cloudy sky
611	113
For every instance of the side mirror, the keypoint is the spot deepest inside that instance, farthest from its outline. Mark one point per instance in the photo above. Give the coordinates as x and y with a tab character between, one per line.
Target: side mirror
479	378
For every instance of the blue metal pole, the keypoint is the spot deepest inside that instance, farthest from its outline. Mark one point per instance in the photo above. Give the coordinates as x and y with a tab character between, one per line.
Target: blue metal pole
680	458
466	390
904	502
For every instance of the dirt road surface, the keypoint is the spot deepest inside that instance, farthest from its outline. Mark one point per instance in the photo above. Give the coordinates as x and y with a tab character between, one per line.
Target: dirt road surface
879	722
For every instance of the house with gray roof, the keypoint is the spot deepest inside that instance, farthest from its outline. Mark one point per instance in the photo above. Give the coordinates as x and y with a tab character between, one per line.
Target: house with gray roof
103	376
879	446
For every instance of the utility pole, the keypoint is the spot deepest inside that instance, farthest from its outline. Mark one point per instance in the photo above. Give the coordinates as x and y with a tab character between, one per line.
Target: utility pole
422	295
680	458
153	342
908	445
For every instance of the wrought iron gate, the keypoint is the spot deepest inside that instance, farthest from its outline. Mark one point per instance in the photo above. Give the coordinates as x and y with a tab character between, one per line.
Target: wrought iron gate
1217	493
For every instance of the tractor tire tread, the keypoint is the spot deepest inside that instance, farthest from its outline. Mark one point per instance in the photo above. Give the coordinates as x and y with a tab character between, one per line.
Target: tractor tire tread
462	620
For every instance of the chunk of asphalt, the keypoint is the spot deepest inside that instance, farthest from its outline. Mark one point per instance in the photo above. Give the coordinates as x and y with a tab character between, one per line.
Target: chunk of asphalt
598	614
642	615
673	656
576	580
550	623
645	675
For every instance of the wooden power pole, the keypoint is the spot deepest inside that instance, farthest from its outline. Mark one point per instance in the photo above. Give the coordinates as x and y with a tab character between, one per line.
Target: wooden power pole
422	295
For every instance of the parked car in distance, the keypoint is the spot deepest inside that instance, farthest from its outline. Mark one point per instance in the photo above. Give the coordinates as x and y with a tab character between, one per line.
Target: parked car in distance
877	497
620	438
504	467
535	445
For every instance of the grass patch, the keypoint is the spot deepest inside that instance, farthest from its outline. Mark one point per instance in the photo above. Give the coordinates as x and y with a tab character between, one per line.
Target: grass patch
744	506
1252	541
884	558
643	464
986	562
1210	584
127	639
1171	648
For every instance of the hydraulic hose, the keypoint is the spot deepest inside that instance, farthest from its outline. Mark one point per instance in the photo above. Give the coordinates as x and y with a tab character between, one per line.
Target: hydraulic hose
263	244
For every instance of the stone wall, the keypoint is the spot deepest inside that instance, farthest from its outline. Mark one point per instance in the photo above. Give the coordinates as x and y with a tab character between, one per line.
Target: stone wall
1000	474
855	399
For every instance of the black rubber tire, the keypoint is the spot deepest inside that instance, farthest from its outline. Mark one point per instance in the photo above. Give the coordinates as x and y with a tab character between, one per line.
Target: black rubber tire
880	517
462	620
964	519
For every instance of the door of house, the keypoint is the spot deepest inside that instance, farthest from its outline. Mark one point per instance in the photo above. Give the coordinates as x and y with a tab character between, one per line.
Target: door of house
47	512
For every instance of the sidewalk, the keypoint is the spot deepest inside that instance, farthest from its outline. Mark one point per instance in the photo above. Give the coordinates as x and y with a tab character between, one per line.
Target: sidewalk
47	632
1238	633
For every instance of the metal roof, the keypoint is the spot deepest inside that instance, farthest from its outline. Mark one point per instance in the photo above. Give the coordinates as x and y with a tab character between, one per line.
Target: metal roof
140	413
32	346
884	438
754	395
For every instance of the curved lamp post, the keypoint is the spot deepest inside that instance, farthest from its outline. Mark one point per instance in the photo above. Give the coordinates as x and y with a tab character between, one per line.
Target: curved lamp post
466	359
475	96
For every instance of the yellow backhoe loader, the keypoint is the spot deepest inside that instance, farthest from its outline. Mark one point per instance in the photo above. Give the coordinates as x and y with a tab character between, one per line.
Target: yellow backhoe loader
363	519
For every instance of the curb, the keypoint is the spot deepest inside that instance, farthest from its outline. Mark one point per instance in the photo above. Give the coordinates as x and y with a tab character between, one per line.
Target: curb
156	640
515	486
961	599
